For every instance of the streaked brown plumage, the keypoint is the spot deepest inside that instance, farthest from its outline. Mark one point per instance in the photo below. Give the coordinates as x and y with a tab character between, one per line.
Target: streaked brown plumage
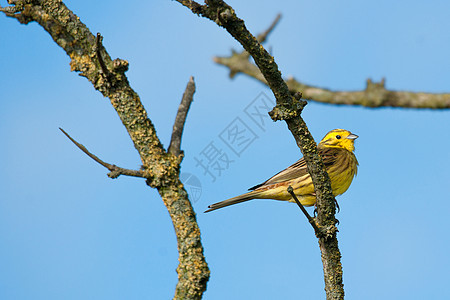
336	149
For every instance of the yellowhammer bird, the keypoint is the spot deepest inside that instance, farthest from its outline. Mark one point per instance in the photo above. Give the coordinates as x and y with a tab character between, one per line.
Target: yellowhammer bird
336	149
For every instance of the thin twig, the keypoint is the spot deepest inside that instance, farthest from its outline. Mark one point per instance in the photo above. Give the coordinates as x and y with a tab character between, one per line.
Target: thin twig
310	219
180	119
115	170
263	35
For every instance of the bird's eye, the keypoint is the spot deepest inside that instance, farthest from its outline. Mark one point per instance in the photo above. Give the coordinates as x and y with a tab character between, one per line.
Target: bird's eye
338	137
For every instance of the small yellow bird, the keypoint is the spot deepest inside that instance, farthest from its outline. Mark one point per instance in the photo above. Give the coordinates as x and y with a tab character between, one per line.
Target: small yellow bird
336	149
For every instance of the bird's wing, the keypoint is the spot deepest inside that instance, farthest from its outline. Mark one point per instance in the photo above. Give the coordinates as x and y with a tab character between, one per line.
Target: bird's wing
295	170
298	169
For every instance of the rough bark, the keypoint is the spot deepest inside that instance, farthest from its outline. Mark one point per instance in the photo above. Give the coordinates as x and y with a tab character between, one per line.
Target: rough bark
160	167
288	108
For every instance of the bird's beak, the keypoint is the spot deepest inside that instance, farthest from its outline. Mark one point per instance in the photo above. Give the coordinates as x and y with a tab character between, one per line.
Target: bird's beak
352	136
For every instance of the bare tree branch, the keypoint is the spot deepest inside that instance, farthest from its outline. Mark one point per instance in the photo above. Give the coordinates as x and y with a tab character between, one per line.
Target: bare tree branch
180	119
374	95
115	170
288	108
160	167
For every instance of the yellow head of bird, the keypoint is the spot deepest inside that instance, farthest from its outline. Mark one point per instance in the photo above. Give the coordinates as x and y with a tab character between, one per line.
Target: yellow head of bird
339	138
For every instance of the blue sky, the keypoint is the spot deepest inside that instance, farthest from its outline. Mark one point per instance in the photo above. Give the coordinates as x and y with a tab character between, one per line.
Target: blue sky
69	232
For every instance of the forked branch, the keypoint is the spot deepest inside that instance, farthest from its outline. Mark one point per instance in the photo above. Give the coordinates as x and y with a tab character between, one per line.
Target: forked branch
160	168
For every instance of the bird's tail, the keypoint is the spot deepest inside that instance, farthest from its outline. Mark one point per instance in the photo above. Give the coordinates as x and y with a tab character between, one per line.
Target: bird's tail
235	200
